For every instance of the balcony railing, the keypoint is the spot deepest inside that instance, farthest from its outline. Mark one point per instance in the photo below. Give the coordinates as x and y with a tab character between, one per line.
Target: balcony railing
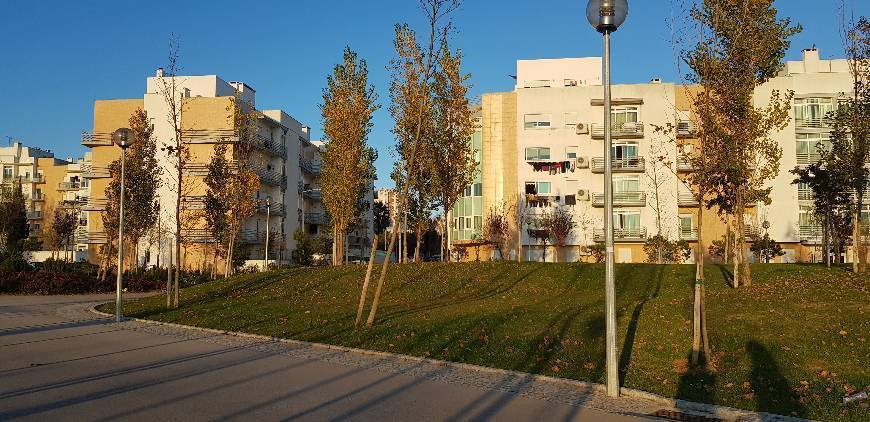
621	199
688	234
92	238
69	186
620	165
310	166
312	194
686	199
37	196
317	218
90	171
271	177
812	122
197	236
276	209
94	204
805	194
810	233
683	164
34	215
686	128
622	234
193	202
90	139
250	237
33	178
623	130
270	146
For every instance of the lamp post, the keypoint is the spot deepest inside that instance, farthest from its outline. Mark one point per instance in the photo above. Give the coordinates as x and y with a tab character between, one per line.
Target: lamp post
268	211
606	16
123	138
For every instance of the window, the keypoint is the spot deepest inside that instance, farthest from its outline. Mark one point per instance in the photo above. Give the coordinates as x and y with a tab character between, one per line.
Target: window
540	83
809	112
537	153
687	225
625	114
624	150
626	220
570	82
538	188
809	146
7	172
626	184
537	121
571	153
571	119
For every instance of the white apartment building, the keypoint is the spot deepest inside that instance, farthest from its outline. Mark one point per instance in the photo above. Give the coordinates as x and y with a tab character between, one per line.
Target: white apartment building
543	147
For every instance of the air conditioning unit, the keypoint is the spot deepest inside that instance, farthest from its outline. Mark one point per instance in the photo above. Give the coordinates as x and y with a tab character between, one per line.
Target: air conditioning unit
583	195
582	162
581	129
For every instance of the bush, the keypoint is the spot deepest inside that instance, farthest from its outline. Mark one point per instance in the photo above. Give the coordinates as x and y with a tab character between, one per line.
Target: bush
596	250
672	251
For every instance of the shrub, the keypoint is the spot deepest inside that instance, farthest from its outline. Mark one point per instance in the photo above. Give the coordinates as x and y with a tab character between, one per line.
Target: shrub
672	251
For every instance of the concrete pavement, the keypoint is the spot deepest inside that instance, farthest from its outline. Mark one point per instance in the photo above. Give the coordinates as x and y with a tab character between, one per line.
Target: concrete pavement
58	361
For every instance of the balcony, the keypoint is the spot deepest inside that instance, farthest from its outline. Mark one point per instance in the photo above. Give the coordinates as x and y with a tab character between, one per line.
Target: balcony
683	164
208	136
271	177
197	236
622	234
317	218
310	166
193	202
66	186
805	194
195	169
250	237
276	209
810	233
621	199
91	238
269	146
689	234
38	178
620	165
686	128
812	123
686	199
34	215
312	194
90	171
90	139
624	130
37	196
94	204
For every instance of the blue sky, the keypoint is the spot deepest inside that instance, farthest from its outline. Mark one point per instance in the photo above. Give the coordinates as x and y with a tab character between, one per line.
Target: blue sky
60	56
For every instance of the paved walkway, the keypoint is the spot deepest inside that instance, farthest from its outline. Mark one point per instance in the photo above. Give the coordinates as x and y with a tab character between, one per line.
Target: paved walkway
59	361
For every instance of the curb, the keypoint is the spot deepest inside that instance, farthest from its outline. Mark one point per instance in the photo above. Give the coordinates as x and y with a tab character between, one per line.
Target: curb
701	409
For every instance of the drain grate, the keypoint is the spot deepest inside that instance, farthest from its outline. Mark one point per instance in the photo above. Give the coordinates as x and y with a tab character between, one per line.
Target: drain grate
673	415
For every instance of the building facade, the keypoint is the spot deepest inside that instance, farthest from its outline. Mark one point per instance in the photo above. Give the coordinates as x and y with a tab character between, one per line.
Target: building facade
284	158
542	148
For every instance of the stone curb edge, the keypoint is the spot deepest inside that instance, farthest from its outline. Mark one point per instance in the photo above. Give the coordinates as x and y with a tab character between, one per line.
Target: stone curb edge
703	409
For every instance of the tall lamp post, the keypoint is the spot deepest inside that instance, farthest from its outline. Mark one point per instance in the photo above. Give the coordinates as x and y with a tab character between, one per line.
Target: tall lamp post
268	211
606	16
123	138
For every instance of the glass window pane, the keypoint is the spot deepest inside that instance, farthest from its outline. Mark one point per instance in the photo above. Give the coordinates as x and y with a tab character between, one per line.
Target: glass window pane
543	187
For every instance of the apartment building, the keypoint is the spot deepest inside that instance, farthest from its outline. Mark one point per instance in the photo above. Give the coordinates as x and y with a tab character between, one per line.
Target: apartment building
48	183
286	161
542	146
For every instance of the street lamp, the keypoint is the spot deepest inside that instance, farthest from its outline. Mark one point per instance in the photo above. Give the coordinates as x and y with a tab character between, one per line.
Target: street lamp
266	255
123	138
606	16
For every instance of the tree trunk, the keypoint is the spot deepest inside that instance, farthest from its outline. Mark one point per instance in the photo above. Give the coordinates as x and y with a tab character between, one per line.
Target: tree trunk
856	237
418	244
169	275
826	241
735	282
444	235
365	286
376	301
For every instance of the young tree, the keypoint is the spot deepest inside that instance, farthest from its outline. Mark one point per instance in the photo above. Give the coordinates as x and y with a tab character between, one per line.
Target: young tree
63	227
497	225
178	153
412	73
216	209
449	156
741	46
658	175
558	225
347	110
831	197
850	135
13	226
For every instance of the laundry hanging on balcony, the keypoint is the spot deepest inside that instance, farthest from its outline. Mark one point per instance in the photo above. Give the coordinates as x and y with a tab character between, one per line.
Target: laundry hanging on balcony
554	167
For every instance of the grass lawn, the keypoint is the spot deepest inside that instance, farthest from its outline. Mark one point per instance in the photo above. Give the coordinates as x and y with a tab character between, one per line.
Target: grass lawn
792	343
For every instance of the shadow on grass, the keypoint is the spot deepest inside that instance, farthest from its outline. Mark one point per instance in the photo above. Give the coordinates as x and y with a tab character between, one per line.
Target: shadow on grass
773	393
650	293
